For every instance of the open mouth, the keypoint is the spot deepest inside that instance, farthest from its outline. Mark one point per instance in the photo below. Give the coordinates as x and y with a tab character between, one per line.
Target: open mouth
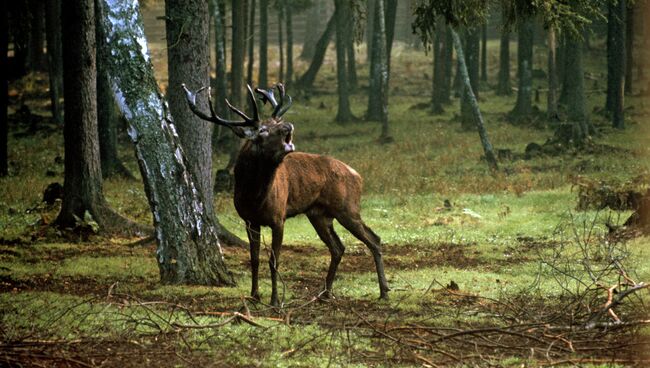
288	145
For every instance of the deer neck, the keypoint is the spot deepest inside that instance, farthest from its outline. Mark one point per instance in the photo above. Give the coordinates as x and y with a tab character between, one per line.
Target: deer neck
254	176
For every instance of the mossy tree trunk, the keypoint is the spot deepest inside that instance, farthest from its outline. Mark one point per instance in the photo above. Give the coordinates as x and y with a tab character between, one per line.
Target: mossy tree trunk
468	91
472	46
83	179
188	246
503	87
524	105
306	81
54	57
344	112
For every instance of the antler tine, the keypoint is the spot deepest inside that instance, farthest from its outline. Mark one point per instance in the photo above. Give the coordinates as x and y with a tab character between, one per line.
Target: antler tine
214	118
285	107
251	96
267	96
248	121
282	108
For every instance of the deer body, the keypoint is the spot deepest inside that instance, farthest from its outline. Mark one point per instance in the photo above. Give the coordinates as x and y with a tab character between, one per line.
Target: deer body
273	183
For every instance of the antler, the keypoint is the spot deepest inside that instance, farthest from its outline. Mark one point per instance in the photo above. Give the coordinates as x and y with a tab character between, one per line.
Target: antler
214	118
278	108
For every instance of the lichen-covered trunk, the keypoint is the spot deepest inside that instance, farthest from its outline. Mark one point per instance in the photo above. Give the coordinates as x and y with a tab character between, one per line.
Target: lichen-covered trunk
188	247
524	105
54	57
472	45
478	117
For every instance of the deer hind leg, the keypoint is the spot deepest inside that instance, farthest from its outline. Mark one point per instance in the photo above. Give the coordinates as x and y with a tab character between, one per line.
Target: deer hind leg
253	232
274	261
325	230
362	232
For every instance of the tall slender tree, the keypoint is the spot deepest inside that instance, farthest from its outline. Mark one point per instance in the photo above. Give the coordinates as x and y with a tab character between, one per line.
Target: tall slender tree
503	86
288	10
382	61
344	112
306	81
353	80
4	77
83	179
551	100
616	61
472	62
484	76
374	111
574	89
524	107
36	34
629	44
264	44
251	43
439	64
280	10
54	57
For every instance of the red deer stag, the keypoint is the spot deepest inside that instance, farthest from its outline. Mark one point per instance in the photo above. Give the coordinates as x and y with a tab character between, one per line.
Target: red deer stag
273	183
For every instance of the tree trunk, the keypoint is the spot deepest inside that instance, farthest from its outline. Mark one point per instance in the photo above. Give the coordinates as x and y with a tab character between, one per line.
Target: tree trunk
551	99
251	44
504	88
438	68
238	52
54	57
107	118
382	64
629	46
390	17
484	76
289	29
306	81
574	89
344	113
375	87
188	247
4	88
83	179
264	44
448	59
221	82
314	22
20	21
370	28
36	55
616	62
350	55
188	61
478	117
281	41
524	107
472	45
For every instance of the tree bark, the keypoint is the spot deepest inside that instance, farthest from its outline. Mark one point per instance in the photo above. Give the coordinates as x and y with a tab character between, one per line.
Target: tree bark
83	179
289	29
306	81
54	57
504	88
188	247
574	89
478	117
448	59
350	55
36	55
375	100
616	51
107	118
551	100
484	76
4	88
221	82
344	113
629	46
251	44
281	41
238	52
472	44
264	44
382	64
524	107
438	68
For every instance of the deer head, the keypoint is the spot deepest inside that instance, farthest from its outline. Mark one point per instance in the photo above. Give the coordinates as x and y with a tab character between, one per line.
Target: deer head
271	138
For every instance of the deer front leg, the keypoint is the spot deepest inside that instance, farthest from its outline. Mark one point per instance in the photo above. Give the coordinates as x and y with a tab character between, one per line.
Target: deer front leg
253	232
274	261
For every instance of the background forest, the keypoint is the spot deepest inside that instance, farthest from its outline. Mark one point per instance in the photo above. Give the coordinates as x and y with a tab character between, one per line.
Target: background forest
503	147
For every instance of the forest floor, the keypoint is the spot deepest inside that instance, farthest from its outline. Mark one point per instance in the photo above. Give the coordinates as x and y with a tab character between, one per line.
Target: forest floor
486	270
